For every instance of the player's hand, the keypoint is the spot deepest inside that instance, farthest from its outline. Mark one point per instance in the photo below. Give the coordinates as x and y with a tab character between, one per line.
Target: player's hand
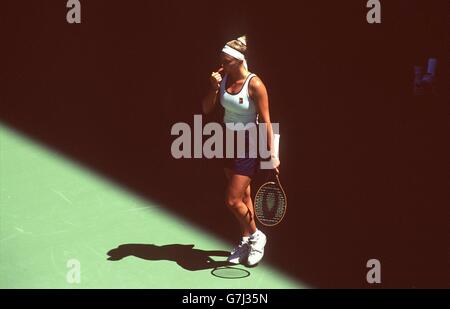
276	164
216	79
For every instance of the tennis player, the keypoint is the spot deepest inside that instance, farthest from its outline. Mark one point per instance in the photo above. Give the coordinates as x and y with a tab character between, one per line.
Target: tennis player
244	99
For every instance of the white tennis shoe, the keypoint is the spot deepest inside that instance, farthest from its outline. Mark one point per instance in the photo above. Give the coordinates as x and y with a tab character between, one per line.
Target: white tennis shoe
256	245
239	253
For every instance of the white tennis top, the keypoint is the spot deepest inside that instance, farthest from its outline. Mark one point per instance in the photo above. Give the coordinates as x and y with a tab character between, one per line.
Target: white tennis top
239	108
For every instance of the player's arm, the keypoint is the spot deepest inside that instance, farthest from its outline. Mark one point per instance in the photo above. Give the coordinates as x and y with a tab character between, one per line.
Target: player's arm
258	93
209	102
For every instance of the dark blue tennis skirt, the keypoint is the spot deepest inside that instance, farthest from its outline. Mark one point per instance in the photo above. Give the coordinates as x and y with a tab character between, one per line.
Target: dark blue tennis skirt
246	165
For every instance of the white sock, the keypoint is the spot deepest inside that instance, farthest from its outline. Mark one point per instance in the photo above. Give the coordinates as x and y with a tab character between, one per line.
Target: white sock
245	238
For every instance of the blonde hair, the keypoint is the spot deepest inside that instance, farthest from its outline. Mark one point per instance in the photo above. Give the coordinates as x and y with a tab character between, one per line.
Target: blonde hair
239	44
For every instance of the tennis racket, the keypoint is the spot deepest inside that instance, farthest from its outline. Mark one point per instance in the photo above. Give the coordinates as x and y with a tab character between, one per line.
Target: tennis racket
270	202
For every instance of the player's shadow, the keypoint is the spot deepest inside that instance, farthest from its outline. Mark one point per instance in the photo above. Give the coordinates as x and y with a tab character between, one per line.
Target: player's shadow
184	255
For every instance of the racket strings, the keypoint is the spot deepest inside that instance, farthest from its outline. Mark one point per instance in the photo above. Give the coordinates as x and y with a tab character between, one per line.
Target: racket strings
270	204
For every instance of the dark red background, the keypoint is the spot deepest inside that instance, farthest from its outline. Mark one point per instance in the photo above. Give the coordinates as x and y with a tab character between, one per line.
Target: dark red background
364	163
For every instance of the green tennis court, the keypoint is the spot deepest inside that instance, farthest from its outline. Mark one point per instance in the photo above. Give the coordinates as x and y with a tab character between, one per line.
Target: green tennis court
63	226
